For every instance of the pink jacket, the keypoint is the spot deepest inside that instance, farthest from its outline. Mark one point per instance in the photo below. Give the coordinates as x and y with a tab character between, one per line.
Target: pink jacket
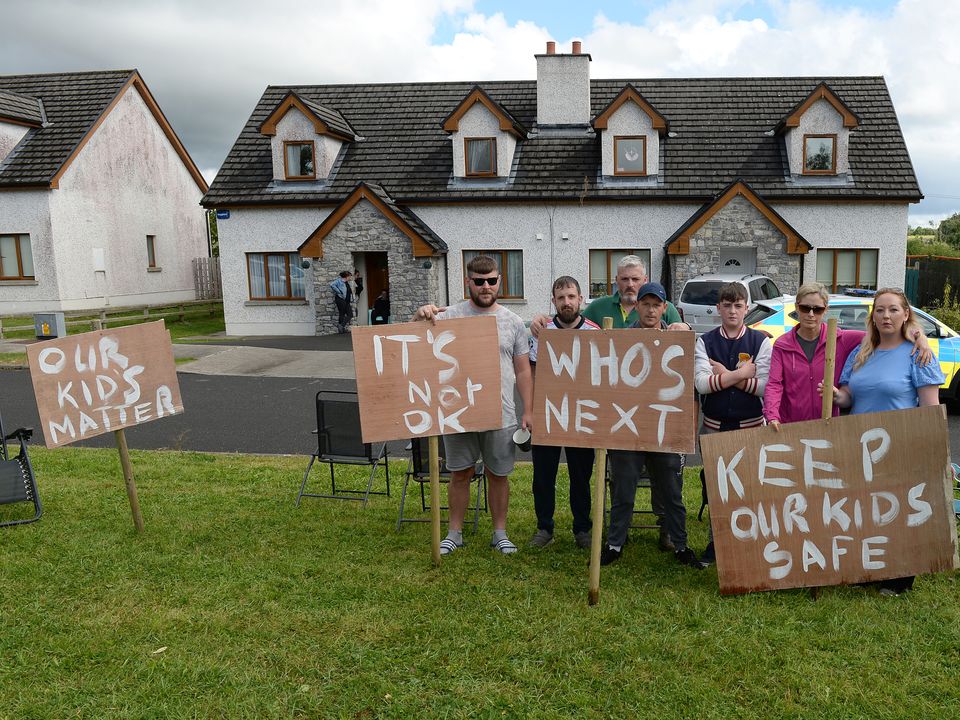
791	392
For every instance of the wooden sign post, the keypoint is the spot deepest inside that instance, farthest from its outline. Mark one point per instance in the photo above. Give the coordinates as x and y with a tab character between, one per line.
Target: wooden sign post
625	389
418	379
104	381
852	499
829	365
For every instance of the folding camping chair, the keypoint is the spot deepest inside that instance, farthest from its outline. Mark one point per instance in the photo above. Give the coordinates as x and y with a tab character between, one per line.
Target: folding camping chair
339	442
418	471
641	517
17	481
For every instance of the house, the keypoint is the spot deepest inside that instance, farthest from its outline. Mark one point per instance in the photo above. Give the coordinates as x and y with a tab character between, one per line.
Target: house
99	200
798	178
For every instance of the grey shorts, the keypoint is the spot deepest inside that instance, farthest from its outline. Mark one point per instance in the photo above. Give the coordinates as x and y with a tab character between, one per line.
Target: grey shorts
495	447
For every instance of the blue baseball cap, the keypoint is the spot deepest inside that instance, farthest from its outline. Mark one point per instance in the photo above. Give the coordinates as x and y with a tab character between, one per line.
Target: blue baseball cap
652	288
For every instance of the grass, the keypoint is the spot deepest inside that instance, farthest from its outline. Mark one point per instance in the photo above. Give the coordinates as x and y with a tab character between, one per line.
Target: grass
13	358
192	325
236	604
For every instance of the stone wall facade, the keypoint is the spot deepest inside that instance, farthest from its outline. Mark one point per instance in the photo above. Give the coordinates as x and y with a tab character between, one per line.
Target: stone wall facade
738	224
364	229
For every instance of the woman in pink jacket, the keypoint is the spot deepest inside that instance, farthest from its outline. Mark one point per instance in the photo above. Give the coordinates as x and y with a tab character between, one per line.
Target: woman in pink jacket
799	356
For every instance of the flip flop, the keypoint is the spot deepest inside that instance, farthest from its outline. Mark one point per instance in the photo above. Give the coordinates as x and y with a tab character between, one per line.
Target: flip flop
448	546
503	545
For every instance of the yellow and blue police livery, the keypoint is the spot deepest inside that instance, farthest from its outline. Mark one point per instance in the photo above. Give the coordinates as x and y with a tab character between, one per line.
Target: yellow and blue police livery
775	317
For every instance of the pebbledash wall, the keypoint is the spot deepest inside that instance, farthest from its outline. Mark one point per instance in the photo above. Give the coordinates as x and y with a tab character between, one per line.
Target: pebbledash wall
515	227
127	182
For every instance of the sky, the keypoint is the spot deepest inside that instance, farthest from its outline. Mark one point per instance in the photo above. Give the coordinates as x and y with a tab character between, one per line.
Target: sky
207	63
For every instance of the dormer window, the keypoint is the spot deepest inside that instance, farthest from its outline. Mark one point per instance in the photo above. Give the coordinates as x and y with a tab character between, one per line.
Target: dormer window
480	155
298	160
630	153
820	154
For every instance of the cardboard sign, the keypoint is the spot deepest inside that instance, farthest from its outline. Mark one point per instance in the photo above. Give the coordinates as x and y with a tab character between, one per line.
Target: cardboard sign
624	389
847	500
418	379
102	381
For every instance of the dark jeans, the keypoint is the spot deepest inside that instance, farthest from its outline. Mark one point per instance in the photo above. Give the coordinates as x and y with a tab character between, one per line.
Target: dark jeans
546	461
344	311
666	485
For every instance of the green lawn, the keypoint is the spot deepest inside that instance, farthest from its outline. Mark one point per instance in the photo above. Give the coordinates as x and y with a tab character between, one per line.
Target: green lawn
13	358
236	604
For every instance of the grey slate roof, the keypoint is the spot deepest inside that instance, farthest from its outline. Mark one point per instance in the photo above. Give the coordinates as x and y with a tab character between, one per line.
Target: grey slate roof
721	125
20	107
72	102
332	118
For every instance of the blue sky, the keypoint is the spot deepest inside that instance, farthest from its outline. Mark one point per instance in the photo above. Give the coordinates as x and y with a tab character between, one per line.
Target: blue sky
207	63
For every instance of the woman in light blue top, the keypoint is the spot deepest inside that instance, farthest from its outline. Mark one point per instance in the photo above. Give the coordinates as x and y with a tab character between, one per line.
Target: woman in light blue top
882	376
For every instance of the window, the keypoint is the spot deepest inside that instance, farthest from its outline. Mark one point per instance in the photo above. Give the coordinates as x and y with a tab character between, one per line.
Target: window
298	160
763	289
480	155
511	270
819	154
603	269
630	155
151	251
16	259
276	276
839	269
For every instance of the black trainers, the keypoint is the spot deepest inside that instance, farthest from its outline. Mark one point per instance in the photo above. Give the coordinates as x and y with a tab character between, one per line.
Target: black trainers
688	557
609	555
709	556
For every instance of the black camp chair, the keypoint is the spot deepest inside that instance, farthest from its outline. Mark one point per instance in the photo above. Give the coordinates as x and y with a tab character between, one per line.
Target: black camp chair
643	519
418	471
339	442
17	482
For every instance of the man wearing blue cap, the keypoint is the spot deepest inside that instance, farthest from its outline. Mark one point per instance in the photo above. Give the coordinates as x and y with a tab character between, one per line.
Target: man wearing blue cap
665	468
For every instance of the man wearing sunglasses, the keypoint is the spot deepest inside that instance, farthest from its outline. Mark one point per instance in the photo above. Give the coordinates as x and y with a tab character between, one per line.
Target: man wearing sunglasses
495	447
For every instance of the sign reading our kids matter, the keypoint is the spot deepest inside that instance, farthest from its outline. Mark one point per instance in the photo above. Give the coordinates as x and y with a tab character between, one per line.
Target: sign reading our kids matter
418	379
102	381
846	500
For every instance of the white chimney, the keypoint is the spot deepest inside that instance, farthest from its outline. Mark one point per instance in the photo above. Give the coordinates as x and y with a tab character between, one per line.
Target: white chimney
563	87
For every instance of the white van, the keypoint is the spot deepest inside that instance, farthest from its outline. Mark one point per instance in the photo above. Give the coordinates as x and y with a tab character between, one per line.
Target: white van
698	299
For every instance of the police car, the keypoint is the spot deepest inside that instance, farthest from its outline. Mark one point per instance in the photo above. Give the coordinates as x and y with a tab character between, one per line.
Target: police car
775	317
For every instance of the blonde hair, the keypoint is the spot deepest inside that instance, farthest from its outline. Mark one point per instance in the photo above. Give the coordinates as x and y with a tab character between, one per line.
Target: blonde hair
872	338
814	288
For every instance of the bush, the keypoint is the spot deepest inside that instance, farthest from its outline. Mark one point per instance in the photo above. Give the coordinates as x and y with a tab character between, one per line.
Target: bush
949	310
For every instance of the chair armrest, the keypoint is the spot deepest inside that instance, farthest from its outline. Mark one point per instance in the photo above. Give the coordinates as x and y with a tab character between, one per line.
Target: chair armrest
23	434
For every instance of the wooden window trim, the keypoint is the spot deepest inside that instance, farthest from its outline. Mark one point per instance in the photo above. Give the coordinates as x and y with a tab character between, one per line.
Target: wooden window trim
151	251
266	276
286	167
856	278
616	141
611	279
16	244
803	154
501	257
466	156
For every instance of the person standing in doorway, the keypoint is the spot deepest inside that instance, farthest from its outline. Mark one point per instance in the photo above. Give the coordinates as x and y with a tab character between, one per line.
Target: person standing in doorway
342	296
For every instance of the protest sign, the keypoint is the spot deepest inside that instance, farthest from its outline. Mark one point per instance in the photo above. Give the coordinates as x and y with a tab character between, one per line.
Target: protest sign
627	389
846	500
418	379
103	381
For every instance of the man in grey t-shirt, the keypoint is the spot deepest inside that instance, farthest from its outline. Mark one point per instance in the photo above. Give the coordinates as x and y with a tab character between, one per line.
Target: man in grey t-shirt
494	447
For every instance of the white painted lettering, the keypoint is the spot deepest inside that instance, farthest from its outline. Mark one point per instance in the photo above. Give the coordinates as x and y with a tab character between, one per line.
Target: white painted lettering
893	508
811	555
626	419
872	457
671	393
562	415
472	389
741	533
922	507
441	341
450	421
598	362
65	428
867	553
833	512
772	554
63	395
582	415
425	393
423	423
635	379
664	410
836	550
793	508
727	475
764	464
51	368
563	362
809	465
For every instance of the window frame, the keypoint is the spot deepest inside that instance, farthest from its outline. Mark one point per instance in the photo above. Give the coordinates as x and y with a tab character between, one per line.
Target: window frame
493	156
501	257
833	160
286	167
611	271
271	298
18	238
832	285
628	173
152	252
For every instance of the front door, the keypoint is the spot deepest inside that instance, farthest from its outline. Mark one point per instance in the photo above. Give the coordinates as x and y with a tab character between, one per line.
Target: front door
738	260
378	277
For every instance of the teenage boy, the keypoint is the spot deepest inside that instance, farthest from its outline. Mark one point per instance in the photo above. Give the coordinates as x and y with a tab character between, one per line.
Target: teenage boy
731	367
665	468
495	447
567	299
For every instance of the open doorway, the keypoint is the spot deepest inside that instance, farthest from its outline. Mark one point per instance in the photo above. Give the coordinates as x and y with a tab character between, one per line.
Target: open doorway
376	278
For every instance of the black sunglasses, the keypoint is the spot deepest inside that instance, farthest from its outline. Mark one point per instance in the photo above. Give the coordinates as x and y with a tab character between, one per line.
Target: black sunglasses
479	282
815	309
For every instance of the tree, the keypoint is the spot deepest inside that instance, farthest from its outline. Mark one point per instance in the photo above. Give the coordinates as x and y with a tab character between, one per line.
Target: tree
949	230
214	238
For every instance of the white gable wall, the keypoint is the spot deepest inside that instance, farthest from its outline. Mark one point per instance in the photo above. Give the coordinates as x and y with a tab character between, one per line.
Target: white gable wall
264	230
629	119
479	122
294	126
821	118
127	182
28	212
